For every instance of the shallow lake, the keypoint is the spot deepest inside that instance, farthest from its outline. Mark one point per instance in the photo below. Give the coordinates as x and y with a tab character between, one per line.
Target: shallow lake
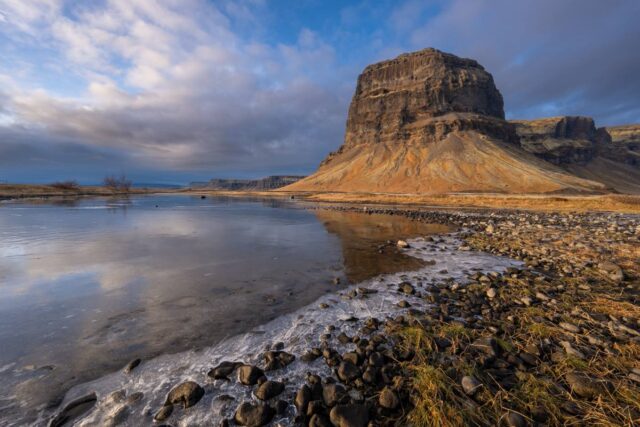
89	284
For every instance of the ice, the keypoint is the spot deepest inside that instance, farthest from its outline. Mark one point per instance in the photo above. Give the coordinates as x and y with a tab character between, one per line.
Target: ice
299	331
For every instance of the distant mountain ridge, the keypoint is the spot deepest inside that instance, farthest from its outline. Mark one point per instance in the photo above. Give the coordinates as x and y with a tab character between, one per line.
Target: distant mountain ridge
268	183
431	122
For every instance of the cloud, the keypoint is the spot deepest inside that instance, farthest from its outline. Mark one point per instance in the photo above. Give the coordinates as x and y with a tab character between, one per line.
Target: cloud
169	85
548	57
222	88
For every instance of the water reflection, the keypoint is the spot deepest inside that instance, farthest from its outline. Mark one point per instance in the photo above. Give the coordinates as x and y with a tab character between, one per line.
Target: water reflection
368	241
85	290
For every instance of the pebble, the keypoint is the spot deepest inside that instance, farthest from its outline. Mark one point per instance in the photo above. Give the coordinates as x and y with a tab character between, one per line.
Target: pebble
470	385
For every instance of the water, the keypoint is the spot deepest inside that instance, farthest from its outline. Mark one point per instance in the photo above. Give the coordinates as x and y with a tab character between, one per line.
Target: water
88	285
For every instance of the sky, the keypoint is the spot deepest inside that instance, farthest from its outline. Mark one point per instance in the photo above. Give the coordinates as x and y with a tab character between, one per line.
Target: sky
173	91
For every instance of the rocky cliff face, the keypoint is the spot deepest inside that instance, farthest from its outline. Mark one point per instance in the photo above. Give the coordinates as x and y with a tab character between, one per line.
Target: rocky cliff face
625	144
430	122
561	140
410	98
267	183
569	140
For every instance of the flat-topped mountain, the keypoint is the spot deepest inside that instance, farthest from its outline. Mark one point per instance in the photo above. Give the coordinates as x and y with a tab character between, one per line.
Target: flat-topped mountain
430	122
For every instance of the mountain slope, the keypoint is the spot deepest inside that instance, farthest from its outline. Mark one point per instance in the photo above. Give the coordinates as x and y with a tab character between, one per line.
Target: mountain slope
464	161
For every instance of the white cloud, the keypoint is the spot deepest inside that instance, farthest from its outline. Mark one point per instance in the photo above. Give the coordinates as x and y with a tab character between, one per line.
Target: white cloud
171	85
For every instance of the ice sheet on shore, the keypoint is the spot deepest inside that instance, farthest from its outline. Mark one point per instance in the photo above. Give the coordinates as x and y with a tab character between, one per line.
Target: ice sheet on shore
298	331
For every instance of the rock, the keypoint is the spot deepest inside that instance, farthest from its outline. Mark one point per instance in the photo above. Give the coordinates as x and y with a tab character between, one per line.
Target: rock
388	399
311	355
613	271
164	413
491	293
332	394
132	365
347	371
376	359
74	410
402	244
281	407
187	393
407	288
391	95
569	327
584	386
253	415
303	397
135	397
568	348
277	360
370	374
319	420
352	415
351	357
269	389
249	374
490	229
560	140
513	419
487	345
470	385
223	370
343	338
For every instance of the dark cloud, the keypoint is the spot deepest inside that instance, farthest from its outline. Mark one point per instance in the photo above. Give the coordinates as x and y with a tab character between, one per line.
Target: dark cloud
549	57
175	90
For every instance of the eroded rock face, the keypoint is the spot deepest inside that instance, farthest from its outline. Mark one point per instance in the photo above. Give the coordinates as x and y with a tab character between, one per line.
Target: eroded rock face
576	140
625	144
560	140
406	99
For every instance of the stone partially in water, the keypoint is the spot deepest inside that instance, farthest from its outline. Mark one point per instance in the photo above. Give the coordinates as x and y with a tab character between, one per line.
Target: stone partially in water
277	360
249	374
269	389
73	410
223	370
132	365
164	413
188	394
253	415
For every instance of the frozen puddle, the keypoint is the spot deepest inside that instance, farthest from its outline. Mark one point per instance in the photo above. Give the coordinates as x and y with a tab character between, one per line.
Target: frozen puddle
132	399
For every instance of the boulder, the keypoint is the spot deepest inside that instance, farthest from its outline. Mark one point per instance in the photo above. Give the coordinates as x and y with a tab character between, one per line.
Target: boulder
253	415
249	374
352	415
187	393
269	389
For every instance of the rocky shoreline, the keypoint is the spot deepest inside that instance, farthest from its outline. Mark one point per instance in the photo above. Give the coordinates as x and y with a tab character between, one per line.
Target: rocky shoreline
553	340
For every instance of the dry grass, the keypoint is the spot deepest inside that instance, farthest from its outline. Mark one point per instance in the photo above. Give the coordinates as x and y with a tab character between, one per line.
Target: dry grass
586	203
607	305
10	191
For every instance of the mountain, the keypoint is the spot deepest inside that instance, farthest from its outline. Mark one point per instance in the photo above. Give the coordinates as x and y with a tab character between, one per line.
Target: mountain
268	183
607	155
431	122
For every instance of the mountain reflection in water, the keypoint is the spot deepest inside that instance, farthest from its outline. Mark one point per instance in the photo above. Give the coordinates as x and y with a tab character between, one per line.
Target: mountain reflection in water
90	284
